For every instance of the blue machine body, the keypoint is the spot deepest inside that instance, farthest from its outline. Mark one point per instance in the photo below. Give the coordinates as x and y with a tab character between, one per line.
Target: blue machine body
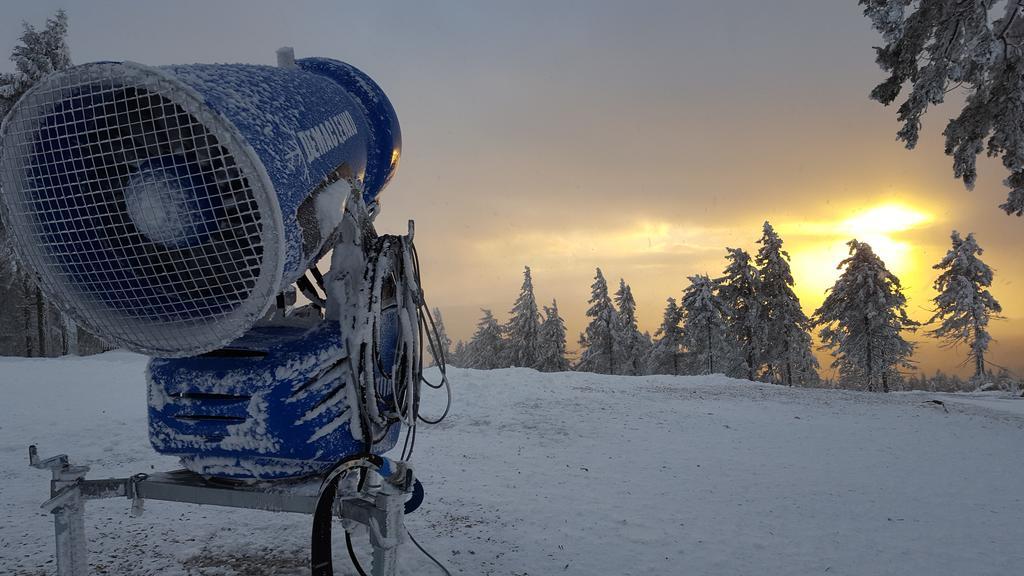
164	208
308	125
277	403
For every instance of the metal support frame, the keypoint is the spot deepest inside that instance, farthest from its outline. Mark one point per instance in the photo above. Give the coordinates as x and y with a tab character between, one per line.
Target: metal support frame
382	511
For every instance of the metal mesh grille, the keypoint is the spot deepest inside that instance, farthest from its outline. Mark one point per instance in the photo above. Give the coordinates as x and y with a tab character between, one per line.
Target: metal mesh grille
134	215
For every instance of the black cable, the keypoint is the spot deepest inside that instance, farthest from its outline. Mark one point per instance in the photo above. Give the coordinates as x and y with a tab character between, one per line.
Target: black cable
412	445
428	326
427	554
418	494
362	479
435	347
352	554
405	445
320	555
318	276
306	287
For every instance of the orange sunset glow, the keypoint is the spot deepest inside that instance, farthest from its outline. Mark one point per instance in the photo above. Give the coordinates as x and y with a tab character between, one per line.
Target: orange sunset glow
818	247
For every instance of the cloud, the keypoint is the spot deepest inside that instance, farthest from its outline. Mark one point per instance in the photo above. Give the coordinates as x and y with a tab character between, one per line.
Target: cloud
643	243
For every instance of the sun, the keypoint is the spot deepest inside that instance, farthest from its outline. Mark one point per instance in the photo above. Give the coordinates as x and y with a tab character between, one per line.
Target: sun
819	251
880	227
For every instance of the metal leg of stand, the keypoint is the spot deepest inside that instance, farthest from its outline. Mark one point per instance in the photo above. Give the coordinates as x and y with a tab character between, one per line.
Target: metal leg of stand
388	532
69	490
69	528
68	507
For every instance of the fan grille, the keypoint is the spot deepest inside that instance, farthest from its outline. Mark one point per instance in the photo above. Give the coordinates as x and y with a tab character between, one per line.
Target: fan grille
140	219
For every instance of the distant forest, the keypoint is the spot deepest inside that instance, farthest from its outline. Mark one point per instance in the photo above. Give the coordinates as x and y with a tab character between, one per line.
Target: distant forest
748	323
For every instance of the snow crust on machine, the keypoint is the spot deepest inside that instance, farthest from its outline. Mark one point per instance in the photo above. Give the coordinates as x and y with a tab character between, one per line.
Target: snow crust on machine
277	110
283	405
125	309
330	206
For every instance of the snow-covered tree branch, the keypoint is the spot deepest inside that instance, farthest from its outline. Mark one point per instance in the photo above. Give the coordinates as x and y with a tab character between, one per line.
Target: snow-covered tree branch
935	46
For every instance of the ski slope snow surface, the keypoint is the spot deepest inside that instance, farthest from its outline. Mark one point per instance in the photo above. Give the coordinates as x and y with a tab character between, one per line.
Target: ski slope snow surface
576	474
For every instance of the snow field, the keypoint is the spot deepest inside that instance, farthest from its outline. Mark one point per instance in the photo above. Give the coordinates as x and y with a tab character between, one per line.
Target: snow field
571	473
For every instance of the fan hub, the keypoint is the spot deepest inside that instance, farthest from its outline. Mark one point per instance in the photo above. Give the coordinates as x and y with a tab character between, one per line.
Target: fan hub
169	205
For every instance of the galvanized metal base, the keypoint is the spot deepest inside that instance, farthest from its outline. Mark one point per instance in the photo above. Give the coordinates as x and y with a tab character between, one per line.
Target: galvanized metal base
382	510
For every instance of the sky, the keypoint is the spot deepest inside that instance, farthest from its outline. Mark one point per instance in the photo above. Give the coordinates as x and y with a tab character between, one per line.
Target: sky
642	137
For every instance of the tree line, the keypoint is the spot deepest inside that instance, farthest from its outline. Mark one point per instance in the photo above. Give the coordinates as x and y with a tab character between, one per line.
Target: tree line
748	323
29	324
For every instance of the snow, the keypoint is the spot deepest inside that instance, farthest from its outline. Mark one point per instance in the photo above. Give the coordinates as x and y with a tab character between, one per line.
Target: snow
330	206
995	401
570	473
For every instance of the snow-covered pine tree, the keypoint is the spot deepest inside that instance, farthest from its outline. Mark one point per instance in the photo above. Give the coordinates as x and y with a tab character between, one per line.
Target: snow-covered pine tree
786	351
739	291
964	304
551	348
863	318
941	45
41	52
523	326
12	340
443	341
458	355
944	382
1005	380
486	350
666	355
630	346
704	333
597	341
31	327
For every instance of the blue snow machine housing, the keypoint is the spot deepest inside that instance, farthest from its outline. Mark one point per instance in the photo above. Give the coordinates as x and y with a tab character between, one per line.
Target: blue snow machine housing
176	211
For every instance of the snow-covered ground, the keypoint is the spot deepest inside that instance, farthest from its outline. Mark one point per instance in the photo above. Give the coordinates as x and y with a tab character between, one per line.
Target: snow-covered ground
541	474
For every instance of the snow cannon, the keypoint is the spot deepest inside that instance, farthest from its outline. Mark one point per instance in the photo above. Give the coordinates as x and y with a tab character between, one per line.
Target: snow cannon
165	208
177	211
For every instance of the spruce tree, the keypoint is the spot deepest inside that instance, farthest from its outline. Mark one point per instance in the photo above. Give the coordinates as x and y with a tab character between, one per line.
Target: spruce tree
786	352
964	304
739	289
597	341
976	46
863	318
486	350
629	344
40	52
443	341
523	326
551	353
458	355
704	332
666	355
